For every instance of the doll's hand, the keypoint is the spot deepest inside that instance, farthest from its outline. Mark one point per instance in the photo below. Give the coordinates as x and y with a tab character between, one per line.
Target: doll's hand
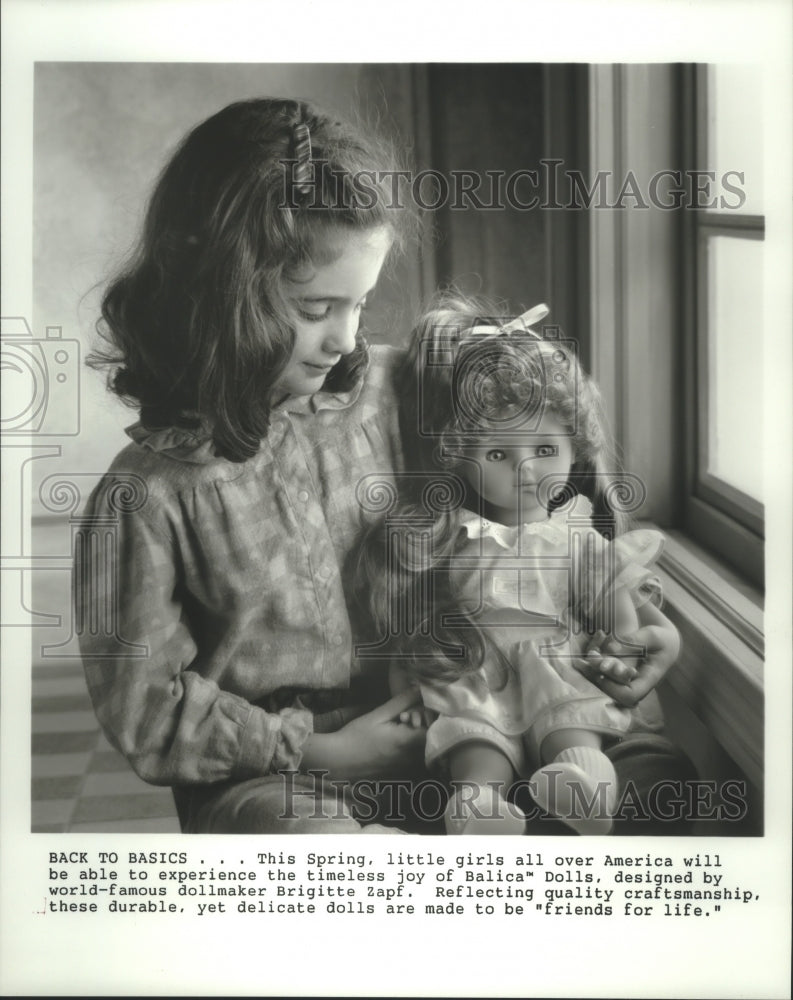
401	680
418	717
602	659
661	644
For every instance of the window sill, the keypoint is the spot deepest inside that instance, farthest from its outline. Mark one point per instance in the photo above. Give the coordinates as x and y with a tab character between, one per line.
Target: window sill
719	675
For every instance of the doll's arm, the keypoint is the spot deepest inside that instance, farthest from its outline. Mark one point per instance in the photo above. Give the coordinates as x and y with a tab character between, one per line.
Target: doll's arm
613	649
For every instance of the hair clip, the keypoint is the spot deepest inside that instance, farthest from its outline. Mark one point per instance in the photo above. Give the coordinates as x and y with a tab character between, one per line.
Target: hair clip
521	324
301	142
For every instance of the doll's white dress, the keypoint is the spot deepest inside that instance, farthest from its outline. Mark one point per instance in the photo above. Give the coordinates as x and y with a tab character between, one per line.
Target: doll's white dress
535	590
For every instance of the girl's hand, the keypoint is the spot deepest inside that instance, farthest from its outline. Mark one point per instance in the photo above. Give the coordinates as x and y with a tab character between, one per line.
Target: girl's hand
374	745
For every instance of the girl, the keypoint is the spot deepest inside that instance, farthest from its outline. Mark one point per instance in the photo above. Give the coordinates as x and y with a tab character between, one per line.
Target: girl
209	590
511	585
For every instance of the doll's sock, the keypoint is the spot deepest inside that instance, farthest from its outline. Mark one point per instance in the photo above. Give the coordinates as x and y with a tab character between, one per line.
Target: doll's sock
579	787
480	809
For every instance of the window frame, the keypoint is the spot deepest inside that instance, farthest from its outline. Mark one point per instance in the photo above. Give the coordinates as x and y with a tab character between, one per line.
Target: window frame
717	515
644	356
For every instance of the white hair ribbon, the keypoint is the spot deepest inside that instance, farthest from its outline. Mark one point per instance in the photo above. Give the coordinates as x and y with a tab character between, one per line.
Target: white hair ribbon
521	324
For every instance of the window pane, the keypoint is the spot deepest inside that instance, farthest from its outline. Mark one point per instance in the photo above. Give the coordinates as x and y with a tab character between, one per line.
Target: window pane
735	131
735	335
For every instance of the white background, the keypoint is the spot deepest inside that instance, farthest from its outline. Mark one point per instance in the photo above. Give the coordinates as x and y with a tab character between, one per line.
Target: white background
740	954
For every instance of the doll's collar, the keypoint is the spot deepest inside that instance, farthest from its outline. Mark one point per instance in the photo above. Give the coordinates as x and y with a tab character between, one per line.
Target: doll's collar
506	536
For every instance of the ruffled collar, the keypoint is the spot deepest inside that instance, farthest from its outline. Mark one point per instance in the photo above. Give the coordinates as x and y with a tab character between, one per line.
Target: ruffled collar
321	400
195	444
507	536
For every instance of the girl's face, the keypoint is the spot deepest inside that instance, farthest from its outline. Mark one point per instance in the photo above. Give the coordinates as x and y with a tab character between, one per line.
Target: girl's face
327	300
505	469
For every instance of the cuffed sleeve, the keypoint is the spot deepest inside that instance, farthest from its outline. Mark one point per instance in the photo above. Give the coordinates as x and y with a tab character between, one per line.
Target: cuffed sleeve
278	738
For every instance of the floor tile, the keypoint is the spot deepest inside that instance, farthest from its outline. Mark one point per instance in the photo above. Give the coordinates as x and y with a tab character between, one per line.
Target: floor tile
58	668
52	687
115	807
51	765
124	782
77	702
108	760
60	787
56	743
64	722
51	811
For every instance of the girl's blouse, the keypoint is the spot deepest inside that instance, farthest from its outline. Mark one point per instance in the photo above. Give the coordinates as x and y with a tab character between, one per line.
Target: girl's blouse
210	594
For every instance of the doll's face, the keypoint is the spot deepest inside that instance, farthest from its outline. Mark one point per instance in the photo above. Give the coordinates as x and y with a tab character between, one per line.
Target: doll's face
505	469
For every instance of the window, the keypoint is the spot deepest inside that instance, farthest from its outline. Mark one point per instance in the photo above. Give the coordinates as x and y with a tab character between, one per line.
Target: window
723	322
675	296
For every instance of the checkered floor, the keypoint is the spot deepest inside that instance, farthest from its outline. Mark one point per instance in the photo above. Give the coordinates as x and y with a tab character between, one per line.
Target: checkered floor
79	782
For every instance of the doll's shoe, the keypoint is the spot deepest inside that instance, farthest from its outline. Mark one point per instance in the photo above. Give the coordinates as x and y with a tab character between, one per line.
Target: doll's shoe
582	799
480	809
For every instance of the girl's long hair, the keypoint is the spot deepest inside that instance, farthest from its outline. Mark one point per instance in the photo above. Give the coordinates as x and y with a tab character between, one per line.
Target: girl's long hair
454	384
196	327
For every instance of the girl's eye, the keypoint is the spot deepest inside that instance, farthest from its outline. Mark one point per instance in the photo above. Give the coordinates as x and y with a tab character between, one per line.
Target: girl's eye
546	450
496	455
314	317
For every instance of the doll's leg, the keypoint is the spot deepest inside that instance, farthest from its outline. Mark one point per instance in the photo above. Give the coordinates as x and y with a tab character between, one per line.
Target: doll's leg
578	784
481	775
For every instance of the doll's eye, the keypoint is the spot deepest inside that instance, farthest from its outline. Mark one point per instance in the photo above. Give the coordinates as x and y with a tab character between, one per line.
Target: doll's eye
546	450
496	455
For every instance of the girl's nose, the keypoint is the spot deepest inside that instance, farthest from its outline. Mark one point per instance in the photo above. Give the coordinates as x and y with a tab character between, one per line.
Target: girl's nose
340	337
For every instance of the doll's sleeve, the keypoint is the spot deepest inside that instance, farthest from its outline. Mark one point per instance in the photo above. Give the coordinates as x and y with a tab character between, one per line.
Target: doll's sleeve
603	567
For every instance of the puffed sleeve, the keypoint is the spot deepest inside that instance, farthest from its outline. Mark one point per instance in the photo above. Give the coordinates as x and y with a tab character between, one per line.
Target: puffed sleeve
174	725
623	564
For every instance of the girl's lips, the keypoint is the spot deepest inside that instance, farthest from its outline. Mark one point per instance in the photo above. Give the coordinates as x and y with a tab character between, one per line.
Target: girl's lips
317	368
